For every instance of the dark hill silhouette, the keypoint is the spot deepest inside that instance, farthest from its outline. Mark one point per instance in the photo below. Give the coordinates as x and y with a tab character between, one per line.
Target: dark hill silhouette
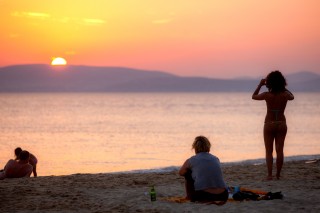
304	76
46	78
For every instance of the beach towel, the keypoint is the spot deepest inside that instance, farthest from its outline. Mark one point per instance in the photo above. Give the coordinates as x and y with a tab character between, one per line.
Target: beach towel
184	200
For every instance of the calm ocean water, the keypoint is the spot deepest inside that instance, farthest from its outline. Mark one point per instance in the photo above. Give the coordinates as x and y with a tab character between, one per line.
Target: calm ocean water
98	133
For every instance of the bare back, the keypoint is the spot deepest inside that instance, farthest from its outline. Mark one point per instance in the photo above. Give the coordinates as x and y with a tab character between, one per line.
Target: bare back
276	105
15	169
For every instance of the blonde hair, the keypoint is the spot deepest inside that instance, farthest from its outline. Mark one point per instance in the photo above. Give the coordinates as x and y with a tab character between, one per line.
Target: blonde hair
201	144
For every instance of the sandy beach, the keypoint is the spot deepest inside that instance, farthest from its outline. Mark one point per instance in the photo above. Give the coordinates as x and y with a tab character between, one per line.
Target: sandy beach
128	192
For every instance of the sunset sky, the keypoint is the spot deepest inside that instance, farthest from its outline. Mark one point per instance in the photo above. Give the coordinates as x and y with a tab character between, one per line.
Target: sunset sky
212	38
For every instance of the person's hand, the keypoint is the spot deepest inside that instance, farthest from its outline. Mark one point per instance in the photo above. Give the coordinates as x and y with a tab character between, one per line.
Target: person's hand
262	82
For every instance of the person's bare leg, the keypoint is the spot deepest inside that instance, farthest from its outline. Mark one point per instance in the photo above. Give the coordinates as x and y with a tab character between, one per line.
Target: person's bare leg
268	142
279	144
35	170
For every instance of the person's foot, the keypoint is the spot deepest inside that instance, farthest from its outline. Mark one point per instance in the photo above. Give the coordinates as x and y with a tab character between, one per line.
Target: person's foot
269	178
278	176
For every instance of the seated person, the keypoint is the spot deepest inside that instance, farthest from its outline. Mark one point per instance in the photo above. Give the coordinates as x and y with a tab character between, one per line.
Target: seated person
18	169
32	160
203	174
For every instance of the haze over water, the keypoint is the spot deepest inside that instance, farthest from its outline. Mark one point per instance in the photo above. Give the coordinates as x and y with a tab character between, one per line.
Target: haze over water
98	133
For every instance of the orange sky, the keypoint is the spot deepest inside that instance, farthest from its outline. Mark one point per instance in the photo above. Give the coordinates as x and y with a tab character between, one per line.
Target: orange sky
212	38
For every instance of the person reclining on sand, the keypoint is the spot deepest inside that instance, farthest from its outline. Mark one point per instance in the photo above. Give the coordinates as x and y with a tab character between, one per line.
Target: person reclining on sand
17	169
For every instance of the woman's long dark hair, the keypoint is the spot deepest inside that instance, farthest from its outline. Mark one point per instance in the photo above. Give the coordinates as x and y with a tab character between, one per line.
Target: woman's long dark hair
275	81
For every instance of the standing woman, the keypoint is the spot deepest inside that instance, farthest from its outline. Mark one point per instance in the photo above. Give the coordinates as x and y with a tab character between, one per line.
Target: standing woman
275	127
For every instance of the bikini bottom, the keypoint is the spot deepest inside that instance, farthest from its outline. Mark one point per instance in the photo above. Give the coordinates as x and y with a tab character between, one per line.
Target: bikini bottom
275	128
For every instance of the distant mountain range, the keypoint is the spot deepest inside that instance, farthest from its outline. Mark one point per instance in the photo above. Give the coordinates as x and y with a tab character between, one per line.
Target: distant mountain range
47	78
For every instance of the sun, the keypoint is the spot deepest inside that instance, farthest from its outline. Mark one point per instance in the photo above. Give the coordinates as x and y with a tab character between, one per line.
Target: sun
58	61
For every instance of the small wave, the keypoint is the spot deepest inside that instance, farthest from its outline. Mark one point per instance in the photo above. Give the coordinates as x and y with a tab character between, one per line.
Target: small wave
262	160
244	162
154	170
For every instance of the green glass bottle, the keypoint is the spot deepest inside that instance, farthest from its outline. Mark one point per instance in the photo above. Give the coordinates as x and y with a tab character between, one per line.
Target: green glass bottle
153	195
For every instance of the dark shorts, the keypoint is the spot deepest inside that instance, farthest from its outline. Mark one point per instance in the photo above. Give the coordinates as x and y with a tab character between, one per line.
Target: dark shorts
204	196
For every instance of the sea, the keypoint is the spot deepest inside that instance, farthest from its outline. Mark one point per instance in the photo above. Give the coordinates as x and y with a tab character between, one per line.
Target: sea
73	133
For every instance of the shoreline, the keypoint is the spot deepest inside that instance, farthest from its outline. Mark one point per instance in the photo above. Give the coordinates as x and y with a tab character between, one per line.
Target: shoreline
249	162
128	192
262	160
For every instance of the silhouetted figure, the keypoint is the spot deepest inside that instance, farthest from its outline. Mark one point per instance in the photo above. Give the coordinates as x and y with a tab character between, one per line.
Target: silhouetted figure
275	127
203	174
32	160
17	168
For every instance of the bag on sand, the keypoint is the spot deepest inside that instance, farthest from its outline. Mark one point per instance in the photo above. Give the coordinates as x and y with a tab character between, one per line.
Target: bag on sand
275	195
239	196
247	195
